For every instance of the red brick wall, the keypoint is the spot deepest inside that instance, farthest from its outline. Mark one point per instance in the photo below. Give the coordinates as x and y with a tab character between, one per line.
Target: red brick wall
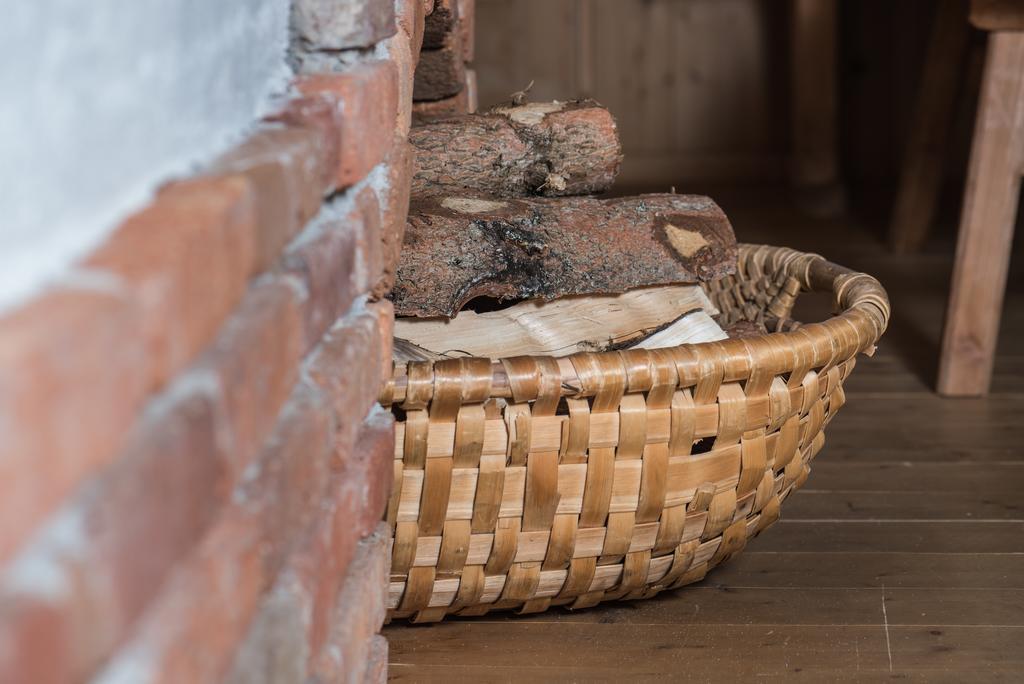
193	466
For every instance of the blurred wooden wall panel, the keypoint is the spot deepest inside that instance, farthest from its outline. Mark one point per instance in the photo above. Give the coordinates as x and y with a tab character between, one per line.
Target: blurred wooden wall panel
698	86
518	41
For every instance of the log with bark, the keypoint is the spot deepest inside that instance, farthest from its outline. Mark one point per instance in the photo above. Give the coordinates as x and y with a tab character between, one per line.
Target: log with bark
440	23
461	104
440	72
461	246
549	148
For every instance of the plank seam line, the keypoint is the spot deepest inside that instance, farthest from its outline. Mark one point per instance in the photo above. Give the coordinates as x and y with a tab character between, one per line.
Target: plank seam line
885	620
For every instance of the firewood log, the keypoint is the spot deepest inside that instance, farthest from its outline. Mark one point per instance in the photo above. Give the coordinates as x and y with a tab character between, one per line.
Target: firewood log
549	148
440	72
458	247
426	111
457	105
440	23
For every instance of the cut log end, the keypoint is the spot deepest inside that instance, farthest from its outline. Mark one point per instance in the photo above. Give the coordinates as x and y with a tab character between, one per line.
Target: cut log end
530	114
440	72
685	242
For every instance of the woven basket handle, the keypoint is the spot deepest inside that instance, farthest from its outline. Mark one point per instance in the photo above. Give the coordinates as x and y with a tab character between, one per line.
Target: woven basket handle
861	304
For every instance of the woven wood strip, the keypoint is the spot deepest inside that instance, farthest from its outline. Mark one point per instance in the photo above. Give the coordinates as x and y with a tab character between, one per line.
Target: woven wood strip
529	482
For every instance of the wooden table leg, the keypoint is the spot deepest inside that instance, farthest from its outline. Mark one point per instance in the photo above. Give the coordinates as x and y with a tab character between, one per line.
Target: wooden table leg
986	224
941	80
815	116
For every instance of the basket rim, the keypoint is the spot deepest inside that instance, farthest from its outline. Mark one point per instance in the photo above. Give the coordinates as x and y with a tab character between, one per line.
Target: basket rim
863	315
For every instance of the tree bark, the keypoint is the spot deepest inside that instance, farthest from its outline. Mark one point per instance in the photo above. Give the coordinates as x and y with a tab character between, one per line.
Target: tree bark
461	246
440	73
550	148
458	105
440	23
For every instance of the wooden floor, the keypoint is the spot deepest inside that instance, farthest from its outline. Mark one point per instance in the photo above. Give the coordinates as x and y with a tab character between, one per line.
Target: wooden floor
902	557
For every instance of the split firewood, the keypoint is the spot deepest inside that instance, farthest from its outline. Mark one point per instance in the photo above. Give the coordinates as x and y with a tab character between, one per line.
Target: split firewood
404	351
549	148
440	72
647	318
458	247
691	328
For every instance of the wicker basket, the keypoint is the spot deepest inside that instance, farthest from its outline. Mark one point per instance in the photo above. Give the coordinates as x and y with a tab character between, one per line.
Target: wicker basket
536	481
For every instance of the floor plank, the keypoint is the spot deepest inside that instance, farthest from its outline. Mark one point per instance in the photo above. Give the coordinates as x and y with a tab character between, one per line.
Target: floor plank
839	504
626	652
730	605
937	478
922	537
754	568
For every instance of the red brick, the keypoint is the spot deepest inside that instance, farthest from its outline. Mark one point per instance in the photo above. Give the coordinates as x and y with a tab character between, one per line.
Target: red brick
410	16
359	493
165	486
289	172
192	630
346	368
256	358
195	625
467	26
358	613
317	115
309	584
395	210
377	661
343	24
385	311
71	380
400	53
337	258
112	546
373	456
275	648
185	260
291	475
365	100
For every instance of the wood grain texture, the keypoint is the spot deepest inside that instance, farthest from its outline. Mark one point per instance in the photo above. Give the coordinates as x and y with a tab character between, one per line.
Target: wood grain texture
463	246
735	652
549	148
570	324
691	104
986	223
